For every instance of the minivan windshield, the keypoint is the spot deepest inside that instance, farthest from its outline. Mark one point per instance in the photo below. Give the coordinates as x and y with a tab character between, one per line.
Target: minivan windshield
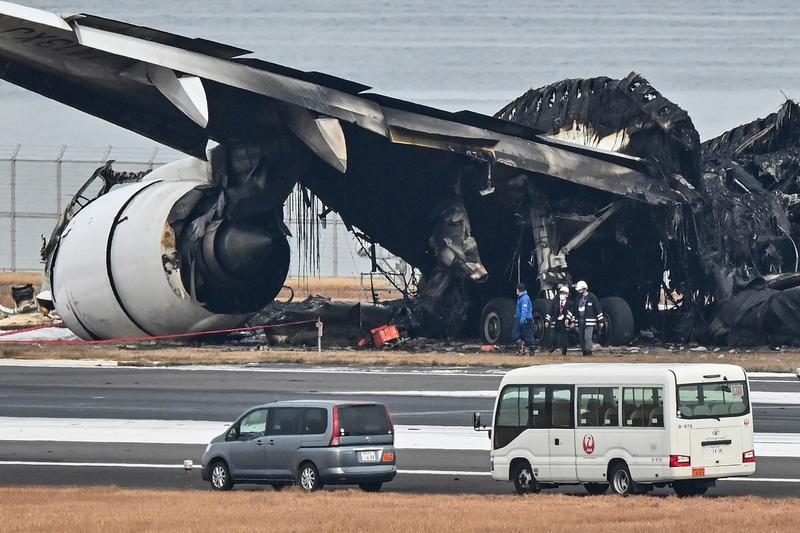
713	400
360	420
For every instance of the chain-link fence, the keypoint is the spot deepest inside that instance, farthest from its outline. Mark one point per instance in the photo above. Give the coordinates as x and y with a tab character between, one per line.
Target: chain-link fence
36	182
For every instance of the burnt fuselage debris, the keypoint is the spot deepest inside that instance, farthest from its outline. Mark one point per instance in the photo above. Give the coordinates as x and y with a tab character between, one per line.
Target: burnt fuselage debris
598	179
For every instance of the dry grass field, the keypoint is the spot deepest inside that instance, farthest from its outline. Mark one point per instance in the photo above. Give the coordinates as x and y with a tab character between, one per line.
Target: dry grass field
147	355
101	509
347	289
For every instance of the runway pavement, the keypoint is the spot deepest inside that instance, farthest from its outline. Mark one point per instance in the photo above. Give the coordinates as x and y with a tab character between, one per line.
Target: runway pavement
65	425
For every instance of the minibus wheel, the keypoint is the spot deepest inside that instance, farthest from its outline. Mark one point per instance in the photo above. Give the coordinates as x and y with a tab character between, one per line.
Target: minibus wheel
621	482
596	489
524	480
687	489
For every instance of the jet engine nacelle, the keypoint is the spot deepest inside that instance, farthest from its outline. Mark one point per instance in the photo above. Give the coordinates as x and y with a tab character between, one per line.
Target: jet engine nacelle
117	272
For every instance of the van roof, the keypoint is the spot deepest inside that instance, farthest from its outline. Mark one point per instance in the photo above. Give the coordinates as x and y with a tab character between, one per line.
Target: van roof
684	372
316	403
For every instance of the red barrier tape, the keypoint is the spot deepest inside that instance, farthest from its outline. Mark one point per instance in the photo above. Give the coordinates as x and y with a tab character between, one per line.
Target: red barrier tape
32	328
126	340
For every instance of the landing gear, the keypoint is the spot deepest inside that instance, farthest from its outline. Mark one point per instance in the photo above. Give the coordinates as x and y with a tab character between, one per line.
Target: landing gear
619	328
497	321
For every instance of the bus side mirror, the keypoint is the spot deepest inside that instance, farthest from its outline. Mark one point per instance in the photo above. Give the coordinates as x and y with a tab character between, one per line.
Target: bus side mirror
476	423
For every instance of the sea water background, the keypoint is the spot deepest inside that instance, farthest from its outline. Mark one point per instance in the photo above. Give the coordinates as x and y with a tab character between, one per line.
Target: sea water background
724	61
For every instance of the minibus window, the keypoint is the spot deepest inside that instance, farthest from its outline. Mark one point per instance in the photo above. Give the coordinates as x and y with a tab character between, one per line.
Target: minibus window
642	407
598	406
561	407
713	400
512	416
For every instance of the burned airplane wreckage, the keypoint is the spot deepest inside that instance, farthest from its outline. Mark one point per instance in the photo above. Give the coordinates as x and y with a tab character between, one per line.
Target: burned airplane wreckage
599	179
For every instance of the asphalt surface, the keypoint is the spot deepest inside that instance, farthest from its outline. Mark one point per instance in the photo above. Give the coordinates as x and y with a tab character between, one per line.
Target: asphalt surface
424	397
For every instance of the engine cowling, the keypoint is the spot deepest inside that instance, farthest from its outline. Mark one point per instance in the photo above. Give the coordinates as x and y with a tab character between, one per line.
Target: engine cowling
117	272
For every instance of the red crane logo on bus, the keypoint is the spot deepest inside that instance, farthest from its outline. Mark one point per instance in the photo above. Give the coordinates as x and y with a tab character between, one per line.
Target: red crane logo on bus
588	444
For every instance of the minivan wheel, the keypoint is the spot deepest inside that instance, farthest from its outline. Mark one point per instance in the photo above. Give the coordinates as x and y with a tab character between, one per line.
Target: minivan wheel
524	480
308	477
371	487
220	476
596	489
621	482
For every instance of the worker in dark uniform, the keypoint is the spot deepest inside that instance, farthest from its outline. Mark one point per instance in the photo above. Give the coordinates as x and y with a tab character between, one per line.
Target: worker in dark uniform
523	323
590	316
559	319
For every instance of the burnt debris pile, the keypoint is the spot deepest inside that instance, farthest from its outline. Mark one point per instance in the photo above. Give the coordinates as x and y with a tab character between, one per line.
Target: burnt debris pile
720	265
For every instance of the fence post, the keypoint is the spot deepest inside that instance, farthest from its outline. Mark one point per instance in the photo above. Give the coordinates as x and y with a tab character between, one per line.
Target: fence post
14	155
152	158
58	177
335	245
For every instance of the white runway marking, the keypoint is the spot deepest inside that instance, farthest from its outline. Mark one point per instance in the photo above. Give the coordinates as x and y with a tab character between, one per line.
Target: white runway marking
94	465
416	437
419	393
488	372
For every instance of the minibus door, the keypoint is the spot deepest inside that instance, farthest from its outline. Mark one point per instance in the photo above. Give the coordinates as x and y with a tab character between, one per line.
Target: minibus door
562	434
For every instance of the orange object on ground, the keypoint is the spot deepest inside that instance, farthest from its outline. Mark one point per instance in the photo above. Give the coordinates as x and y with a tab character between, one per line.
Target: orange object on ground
384	335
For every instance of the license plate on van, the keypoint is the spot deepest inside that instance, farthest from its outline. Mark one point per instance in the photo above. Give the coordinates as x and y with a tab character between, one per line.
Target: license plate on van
366	457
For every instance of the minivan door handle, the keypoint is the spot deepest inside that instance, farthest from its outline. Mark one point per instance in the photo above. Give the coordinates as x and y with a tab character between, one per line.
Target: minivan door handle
557	442
271	442
259	442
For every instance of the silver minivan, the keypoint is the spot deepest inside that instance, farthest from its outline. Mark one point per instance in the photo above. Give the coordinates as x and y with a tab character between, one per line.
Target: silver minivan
310	443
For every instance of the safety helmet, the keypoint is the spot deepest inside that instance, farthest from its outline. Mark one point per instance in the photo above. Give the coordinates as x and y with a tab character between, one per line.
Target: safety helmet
563	288
581	286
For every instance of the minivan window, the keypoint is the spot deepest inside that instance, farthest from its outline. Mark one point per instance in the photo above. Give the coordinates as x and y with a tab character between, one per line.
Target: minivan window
285	421
360	420
598	406
315	421
713	400
642	407
253	425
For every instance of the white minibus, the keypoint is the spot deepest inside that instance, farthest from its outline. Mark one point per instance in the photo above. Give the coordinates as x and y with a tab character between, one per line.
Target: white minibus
627	426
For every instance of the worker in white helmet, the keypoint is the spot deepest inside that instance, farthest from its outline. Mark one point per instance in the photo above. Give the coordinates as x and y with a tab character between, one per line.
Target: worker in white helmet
590	316
559	319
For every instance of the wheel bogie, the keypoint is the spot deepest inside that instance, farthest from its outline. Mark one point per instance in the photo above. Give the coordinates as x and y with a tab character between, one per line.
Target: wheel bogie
497	321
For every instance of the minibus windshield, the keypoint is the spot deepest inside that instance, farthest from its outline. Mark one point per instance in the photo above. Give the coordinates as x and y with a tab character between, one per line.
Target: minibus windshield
713	400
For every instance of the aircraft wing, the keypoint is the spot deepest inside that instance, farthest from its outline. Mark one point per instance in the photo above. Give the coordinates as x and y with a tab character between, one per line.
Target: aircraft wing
183	92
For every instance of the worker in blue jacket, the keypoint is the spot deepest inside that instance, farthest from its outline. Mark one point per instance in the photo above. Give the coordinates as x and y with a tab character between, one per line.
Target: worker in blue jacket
523	325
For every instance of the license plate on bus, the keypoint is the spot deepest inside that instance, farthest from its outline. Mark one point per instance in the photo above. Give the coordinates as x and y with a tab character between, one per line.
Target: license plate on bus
368	456
714	450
